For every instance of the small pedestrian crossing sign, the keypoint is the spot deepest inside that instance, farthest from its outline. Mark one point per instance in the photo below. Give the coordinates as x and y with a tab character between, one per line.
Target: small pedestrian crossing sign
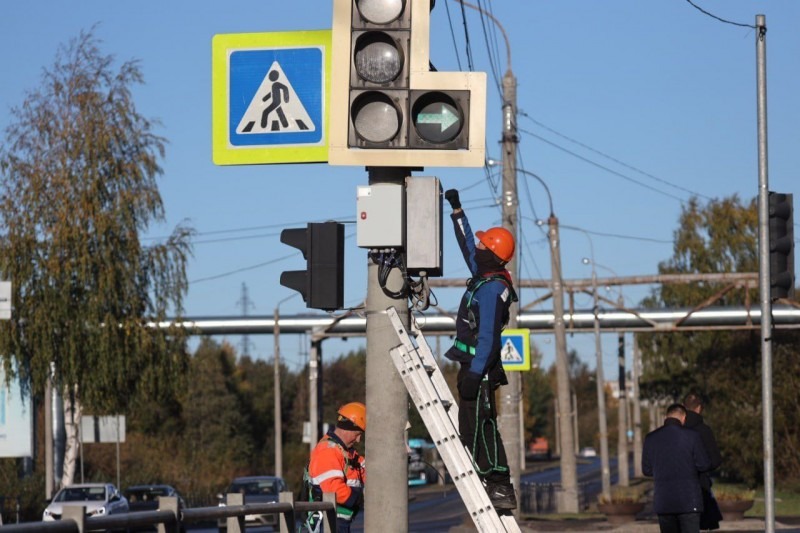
515	349
269	95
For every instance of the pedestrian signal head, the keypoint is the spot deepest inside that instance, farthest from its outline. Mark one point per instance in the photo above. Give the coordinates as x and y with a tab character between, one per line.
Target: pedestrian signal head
499	240
352	416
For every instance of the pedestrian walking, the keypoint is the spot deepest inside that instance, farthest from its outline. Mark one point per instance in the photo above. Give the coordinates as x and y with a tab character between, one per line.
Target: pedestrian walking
694	404
482	315
674	456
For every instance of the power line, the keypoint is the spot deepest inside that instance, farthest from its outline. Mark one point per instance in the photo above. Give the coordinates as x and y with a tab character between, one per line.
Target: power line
619	162
598	165
713	16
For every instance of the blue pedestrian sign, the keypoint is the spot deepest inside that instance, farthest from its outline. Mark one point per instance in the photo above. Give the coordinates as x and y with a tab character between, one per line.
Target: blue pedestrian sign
515	349
269	97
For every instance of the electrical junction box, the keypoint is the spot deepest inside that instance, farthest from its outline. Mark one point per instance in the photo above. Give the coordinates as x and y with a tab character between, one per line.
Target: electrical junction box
380	219
424	226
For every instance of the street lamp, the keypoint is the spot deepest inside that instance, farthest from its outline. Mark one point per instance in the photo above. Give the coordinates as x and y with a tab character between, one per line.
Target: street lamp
601	393
276	331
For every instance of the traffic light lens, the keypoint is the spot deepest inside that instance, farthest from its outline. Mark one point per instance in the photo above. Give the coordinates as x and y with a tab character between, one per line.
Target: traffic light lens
380	11
375	117
377	58
437	118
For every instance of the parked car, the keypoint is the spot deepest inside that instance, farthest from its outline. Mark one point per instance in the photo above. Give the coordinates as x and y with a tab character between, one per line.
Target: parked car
98	498
255	489
421	455
588	452
145	497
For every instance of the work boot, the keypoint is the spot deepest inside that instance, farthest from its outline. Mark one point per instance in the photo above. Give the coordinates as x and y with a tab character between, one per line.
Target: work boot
502	495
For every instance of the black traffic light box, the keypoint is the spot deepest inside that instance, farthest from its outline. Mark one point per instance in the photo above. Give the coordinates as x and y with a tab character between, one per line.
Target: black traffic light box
322	282
781	246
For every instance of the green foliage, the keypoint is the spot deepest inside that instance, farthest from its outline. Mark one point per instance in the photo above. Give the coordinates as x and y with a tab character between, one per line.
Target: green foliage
77	188
725	366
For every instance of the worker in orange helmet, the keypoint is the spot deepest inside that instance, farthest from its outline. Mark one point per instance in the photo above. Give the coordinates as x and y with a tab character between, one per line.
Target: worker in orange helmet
335	466
482	315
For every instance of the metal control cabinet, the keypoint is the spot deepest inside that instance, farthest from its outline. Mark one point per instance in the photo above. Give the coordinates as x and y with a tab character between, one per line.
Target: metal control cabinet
380	217
424	225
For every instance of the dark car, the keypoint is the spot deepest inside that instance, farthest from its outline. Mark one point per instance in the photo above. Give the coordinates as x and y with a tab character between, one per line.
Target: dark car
256	489
145	497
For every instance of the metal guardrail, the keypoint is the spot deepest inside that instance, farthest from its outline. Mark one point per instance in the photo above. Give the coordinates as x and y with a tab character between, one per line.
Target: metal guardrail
542	498
169	517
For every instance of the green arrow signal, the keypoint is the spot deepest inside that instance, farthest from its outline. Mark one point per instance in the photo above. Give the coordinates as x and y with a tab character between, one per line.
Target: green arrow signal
445	118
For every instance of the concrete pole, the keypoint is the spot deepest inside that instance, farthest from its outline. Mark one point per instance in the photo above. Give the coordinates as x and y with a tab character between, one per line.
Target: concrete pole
313	393
602	414
574	414
386	495
764	274
637	411
511	395
276	363
622	412
48	440
568	498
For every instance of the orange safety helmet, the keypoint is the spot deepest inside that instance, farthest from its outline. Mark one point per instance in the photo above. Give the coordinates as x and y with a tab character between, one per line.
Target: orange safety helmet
355	412
499	240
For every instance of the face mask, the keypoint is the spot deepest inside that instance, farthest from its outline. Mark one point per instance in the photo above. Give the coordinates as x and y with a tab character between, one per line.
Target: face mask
487	261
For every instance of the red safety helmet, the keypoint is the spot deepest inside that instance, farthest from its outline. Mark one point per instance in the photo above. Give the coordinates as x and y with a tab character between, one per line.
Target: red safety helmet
355	412
499	240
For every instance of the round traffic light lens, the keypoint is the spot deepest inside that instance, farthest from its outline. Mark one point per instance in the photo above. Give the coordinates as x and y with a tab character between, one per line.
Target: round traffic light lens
376	117
380	11
377	58
437	118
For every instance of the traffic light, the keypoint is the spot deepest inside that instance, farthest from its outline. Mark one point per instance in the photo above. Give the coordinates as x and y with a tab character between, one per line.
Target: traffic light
388	108
781	246
322	282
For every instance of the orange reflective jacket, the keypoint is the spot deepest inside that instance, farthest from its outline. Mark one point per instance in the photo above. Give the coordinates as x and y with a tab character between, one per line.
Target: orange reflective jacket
333	468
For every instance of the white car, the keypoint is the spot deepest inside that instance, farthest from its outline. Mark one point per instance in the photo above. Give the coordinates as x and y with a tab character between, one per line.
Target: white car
588	452
99	499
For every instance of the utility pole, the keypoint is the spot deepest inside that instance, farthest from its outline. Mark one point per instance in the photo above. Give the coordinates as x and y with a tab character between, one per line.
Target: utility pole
622	418
511	394
246	304
387	398
764	279
637	411
568	498
605	469
276	386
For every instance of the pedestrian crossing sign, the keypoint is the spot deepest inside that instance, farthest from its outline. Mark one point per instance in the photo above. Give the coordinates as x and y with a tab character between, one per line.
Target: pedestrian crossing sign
269	97
515	349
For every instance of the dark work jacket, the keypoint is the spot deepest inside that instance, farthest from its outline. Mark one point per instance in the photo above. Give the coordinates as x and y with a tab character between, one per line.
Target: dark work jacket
489	305
674	455
695	421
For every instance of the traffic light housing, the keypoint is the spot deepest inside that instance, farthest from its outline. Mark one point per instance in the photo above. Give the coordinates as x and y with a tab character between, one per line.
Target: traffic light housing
322	282
388	108
781	246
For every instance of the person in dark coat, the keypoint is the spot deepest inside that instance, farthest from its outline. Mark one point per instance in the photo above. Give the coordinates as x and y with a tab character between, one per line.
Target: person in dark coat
482	315
674	456
694	420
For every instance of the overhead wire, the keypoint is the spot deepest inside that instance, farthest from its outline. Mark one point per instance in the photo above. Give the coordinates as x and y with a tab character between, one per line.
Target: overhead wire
611	158
719	18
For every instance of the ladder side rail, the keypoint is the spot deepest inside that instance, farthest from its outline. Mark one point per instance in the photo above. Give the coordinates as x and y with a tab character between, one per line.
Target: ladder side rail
453	452
437	377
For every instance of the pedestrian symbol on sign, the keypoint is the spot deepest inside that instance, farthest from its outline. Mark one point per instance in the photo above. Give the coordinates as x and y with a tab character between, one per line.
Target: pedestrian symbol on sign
275	107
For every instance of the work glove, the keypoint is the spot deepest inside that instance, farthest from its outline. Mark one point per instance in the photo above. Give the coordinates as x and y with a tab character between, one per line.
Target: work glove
452	196
469	387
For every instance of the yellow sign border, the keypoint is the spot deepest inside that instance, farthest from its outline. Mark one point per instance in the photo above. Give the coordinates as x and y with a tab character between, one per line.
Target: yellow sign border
221	45
525	365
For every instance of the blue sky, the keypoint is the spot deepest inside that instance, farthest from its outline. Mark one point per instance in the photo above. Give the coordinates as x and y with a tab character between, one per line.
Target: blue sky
626	109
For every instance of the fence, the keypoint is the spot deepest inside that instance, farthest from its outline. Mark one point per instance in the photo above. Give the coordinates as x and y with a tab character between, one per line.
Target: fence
170	518
542	498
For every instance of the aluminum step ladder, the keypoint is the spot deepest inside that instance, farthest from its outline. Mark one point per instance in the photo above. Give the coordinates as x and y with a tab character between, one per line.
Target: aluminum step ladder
439	411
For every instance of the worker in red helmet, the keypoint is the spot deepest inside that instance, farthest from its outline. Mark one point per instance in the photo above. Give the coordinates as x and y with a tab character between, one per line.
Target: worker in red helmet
482	315
335	466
